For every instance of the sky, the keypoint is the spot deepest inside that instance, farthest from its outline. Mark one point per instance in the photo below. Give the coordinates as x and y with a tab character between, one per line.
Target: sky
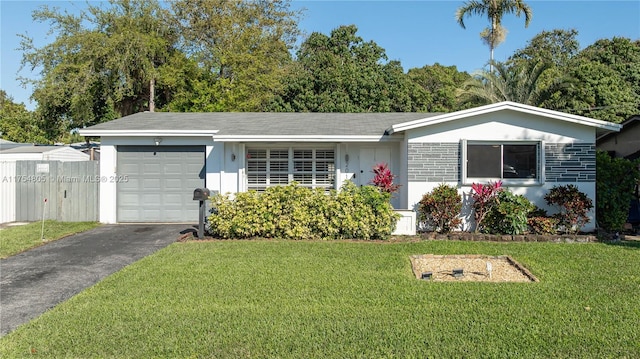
416	33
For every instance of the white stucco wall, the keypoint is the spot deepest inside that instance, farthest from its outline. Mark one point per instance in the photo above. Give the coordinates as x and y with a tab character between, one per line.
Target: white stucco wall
353	161
503	126
362	157
225	164
108	165
534	193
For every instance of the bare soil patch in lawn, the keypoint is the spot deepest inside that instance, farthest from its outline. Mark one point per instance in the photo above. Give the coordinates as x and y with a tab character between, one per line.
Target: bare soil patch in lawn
503	268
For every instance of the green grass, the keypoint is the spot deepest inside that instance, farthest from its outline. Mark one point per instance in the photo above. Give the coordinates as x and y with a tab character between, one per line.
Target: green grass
277	299
16	239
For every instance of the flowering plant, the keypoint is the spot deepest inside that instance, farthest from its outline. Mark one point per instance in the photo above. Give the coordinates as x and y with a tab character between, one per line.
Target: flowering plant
383	178
484	197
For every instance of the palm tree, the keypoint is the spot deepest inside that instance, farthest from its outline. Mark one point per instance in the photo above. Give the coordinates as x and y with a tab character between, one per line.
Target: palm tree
520	82
494	10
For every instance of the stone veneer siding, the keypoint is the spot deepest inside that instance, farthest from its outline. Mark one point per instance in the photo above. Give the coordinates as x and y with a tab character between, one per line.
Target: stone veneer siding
439	162
570	162
434	162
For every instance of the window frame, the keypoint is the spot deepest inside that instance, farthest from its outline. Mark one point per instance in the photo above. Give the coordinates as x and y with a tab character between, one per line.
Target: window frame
299	163
540	165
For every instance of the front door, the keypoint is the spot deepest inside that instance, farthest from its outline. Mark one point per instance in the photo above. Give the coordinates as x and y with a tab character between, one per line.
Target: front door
369	157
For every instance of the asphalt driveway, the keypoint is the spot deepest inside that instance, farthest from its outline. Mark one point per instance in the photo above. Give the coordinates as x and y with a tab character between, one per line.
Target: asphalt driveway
37	280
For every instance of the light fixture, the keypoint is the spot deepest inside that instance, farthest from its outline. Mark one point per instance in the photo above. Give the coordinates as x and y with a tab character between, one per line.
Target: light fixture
346	157
459	272
426	275
233	157
157	140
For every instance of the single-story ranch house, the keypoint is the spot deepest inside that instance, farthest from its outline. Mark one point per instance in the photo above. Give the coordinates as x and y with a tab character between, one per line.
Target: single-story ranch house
151	162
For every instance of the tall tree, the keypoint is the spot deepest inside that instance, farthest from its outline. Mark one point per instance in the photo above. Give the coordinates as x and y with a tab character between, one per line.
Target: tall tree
602	93
102	64
242	48
343	73
621	55
18	124
494	10
556	47
440	83
519	82
608	74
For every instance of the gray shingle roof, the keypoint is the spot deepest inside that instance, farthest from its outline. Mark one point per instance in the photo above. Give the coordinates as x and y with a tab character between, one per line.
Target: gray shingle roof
263	123
31	149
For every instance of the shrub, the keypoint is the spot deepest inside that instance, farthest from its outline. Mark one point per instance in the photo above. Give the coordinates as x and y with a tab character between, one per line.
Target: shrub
542	225
615	180
440	208
294	212
573	207
508	215
483	198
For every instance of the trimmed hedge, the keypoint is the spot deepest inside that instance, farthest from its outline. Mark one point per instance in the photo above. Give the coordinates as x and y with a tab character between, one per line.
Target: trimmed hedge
295	212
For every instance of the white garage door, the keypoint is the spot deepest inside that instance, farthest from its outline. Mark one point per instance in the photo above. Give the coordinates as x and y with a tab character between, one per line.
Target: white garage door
157	182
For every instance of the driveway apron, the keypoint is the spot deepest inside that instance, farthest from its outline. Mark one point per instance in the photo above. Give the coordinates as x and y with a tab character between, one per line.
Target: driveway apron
36	280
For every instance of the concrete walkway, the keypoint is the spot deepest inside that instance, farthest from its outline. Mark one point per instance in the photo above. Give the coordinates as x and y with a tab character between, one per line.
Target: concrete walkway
37	280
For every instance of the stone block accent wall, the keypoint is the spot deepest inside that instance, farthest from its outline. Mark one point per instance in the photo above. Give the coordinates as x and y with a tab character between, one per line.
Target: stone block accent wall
434	162
570	162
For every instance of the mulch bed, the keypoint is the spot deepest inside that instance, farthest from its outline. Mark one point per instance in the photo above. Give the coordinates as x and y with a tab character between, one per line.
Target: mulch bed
474	268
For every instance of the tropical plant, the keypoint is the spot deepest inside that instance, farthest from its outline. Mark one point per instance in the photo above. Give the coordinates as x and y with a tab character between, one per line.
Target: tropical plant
573	207
383	178
517	82
495	34
440	208
484	197
509	214
542	225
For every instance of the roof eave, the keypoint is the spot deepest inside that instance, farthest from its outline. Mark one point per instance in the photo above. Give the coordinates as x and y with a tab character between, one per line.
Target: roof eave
300	138
606	126
146	133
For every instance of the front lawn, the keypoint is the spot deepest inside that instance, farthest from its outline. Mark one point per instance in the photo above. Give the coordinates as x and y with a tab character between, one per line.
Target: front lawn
318	299
16	239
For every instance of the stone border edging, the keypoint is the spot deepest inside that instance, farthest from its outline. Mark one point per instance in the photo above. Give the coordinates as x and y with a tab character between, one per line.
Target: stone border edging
468	236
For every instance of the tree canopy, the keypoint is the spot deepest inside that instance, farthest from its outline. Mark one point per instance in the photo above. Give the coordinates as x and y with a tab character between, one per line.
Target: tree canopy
343	73
439	84
241	48
102	64
601	81
17	124
607	80
556	47
111	59
125	56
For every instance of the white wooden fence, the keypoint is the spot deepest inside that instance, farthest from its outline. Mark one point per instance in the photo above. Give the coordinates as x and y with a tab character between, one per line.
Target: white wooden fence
7	192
